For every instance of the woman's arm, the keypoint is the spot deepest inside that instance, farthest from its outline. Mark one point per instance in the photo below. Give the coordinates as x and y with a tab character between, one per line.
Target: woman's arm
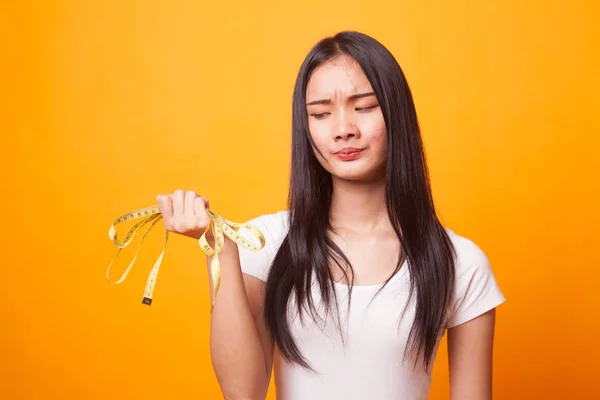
470	348
241	346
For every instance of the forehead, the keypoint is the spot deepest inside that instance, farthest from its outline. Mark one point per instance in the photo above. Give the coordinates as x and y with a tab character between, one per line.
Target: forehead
341	76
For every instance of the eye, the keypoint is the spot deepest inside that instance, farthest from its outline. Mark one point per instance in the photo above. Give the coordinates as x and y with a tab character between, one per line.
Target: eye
362	109
319	116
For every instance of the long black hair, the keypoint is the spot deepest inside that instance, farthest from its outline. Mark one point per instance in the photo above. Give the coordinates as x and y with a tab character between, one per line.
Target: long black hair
308	249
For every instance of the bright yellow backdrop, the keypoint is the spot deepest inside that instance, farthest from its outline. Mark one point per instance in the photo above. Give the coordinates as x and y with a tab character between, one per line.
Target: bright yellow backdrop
107	103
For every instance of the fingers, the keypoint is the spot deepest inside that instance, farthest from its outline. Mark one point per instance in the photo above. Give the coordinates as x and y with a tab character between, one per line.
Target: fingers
178	203
190	196
200	204
165	205
201	217
184	212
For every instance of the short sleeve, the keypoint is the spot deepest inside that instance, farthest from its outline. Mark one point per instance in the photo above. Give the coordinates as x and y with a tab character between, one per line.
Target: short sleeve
274	229
476	290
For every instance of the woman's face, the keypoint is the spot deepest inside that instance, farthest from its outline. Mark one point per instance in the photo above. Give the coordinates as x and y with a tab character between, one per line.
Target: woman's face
345	121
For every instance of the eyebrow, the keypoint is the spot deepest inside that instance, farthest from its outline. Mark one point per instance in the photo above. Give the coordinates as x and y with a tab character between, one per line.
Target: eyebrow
353	97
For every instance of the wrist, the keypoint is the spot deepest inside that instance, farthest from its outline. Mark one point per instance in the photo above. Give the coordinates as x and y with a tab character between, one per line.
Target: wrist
229	246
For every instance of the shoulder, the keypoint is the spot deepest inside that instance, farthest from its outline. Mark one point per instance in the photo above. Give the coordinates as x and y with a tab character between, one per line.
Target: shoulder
476	288
274	227
275	223
468	254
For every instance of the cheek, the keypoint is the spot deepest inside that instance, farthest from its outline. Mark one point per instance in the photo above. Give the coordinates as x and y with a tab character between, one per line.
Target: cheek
319	134
320	137
378	138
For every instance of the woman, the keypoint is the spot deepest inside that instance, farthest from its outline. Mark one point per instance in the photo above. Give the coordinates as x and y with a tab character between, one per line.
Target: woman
358	280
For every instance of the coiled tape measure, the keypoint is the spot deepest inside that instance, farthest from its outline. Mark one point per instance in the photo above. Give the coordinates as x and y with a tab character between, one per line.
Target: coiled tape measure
151	216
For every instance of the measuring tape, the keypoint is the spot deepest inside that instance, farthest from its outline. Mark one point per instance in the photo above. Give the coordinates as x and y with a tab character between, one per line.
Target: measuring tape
151	215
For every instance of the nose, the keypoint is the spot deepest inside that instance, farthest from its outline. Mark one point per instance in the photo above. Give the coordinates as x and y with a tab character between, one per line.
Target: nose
346	127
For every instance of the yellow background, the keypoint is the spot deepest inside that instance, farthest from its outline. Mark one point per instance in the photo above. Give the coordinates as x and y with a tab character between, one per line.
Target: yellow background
107	103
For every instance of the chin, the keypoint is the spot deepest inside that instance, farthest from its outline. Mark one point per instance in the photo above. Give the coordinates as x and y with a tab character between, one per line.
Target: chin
362	170
357	174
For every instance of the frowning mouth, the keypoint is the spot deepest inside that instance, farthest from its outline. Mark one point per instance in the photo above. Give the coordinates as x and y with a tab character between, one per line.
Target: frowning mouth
349	153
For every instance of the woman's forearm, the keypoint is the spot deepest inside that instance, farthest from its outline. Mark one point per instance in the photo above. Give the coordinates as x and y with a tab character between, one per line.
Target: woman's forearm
237	355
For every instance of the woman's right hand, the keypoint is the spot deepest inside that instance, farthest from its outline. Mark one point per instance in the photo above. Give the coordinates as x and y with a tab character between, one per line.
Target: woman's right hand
184	213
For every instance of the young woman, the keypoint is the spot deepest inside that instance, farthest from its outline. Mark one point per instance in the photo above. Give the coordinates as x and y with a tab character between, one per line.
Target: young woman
358	280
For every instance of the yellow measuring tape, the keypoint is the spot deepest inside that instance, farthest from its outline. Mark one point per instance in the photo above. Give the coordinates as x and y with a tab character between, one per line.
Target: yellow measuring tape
151	215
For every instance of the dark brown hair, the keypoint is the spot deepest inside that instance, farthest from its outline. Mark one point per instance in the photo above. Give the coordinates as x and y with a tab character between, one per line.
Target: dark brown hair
308	249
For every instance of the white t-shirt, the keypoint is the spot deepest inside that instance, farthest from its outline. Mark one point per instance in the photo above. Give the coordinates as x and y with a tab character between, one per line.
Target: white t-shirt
368	364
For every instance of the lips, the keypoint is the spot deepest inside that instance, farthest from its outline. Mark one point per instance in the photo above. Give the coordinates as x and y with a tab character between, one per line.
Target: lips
349	153
348	150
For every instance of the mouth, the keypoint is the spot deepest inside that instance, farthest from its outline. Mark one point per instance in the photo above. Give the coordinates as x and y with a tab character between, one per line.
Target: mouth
349	153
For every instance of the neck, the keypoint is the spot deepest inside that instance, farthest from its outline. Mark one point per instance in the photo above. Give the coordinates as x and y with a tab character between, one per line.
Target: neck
359	206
